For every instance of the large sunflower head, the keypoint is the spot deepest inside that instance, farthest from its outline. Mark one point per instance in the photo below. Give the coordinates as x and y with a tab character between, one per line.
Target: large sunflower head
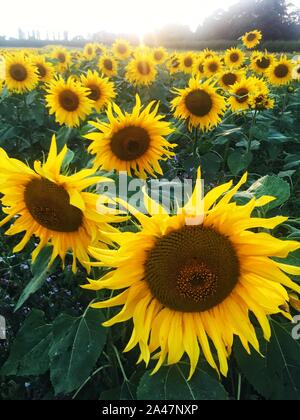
187	61
52	206
280	72
121	49
63	57
108	65
69	101
89	51
131	142
45	69
20	74
200	104
212	66
261	62
159	55
102	91
252	39
234	57
194	278
240	94
228	78
141	70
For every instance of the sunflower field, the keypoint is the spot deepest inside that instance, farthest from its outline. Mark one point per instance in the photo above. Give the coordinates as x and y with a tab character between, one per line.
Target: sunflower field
102	299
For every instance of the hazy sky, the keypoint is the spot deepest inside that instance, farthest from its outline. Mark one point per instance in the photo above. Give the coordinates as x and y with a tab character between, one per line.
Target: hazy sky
89	16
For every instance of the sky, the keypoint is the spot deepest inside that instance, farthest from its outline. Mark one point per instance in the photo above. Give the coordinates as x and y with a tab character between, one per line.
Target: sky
90	16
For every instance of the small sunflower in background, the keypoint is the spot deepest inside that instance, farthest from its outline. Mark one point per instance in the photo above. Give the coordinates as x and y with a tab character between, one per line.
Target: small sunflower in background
234	57
280	72
260	101
134	142
296	72
228	78
198	69
100	49
207	53
200	104
173	64
159	55
63	57
53	207
69	101
20	74
191	282
121	49
102	91
141	70
212	66
89	51
261	62
240	94
44	68
251	39
108	65
187	61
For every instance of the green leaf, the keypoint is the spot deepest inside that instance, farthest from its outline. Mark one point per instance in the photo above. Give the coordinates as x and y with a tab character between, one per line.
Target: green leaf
170	383
77	345
238	162
274	186
275	376
40	271
29	351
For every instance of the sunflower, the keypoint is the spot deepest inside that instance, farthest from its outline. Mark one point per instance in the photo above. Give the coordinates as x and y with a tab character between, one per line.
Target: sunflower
228	78
173	64
69	101
261	101
240	94
212	66
195	277
260	62
20	74
131	142
89	51
52	206
159	55
45	69
121	49
63	57
187	61
100	49
280	72
102	91
141	70
251	39
108	65
198	69
234	57
200	104
207	53
296	72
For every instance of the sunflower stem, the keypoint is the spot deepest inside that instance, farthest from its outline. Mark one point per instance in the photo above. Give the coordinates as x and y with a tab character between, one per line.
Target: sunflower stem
195	151
239	389
120	364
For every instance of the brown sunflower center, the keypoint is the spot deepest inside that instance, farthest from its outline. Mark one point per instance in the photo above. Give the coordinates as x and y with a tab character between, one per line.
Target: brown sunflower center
251	37
122	49
229	79
175	63
234	57
61	57
242	95
108	64
188	62
158	55
41	70
201	68
213	67
281	70
68	100
144	68
198	102
130	143
49	204
90	51
18	72
263	63
185	270
95	92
